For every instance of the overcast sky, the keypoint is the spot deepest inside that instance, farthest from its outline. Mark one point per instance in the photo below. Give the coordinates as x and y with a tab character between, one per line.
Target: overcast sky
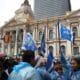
8	7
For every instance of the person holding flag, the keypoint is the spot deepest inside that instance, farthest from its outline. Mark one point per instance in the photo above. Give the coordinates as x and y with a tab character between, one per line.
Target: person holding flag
73	70
60	68
39	58
40	66
41	50
25	70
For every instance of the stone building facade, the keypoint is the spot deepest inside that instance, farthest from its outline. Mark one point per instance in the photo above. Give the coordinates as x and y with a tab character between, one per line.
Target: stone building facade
24	22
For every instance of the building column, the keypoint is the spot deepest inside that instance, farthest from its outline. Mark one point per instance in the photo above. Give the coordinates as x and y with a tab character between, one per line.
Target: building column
16	42
24	32
69	53
9	49
69	46
2	49
46	40
57	41
54	50
37	38
36	32
33	33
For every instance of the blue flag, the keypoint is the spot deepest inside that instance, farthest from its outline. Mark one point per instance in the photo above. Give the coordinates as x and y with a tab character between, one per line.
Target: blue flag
43	44
63	58
49	61
29	43
73	38
66	33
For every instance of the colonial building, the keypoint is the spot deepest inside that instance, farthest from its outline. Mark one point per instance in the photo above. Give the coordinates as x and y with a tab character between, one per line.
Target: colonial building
12	33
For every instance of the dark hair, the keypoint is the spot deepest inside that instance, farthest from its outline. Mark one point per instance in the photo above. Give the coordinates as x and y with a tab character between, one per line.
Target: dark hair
77	59
58	62
39	52
39	48
28	55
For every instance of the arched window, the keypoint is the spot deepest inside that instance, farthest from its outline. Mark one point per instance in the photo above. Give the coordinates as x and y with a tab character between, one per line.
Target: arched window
76	50
40	35
50	49
75	32
50	34
63	49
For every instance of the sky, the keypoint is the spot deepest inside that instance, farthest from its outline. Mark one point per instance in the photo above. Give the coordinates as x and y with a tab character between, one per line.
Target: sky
8	8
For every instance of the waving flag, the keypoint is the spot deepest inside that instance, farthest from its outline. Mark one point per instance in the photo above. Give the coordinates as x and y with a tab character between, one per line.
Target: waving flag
29	43
66	33
49	61
43	44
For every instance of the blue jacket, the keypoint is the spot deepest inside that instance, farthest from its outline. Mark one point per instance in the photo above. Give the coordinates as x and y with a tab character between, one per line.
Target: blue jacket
64	75
70	74
43	73
24	71
74	75
56	76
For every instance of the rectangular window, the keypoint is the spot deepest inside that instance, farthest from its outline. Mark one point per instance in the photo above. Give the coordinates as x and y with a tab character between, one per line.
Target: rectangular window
76	51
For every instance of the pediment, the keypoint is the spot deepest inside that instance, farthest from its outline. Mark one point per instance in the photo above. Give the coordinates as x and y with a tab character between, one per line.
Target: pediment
12	22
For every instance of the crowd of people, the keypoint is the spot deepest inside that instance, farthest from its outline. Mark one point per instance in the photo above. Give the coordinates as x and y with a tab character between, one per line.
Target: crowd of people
6	66
26	69
28	66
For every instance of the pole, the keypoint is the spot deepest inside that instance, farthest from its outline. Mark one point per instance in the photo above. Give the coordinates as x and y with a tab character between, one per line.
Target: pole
59	42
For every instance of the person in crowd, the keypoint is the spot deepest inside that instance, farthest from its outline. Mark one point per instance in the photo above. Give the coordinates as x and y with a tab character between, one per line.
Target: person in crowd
38	58
3	75
9	64
60	68
41	66
25	70
58	72
42	71
75	69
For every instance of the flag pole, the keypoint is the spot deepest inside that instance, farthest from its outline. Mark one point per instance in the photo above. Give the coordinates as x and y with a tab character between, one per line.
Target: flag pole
59	42
72	43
